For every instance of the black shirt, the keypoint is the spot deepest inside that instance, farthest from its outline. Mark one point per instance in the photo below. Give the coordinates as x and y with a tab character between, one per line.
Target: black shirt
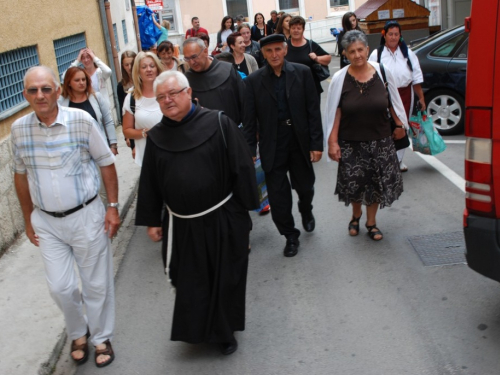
86	106
364	110
242	67
271	26
300	55
280	92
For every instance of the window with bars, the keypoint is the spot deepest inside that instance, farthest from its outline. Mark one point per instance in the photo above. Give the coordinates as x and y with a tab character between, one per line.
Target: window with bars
237	7
339	3
115	31
67	50
289	4
13	66
125	35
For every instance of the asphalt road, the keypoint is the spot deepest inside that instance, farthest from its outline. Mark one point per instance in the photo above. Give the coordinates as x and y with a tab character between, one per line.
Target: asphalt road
343	305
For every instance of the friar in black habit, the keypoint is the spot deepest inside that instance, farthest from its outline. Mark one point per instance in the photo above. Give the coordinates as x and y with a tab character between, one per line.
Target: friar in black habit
198	170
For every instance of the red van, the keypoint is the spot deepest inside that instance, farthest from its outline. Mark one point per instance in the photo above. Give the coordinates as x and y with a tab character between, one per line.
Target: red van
482	129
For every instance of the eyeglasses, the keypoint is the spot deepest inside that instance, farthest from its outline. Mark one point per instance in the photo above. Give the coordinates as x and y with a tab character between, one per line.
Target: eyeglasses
171	95
45	90
194	57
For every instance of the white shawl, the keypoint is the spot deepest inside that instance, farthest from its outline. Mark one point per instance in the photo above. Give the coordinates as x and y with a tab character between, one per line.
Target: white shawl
333	99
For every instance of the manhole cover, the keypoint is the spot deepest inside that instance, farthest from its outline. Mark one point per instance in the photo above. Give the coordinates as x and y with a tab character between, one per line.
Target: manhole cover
440	249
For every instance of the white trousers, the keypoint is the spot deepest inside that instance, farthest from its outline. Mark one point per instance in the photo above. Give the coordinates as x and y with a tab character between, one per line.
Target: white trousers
79	238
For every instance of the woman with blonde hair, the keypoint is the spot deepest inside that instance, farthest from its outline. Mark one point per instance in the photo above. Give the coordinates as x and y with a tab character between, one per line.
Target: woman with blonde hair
141	110
164	27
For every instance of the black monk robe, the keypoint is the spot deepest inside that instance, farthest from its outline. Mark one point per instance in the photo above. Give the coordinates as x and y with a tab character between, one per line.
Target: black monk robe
219	87
188	167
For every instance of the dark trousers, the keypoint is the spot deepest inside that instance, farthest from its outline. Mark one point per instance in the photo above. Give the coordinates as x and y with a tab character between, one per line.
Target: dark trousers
289	159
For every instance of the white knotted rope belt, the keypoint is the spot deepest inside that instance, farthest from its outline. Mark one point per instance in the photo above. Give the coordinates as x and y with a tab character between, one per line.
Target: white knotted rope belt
171	215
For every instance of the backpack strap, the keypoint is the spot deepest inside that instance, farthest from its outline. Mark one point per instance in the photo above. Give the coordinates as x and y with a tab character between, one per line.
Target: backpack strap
380	49
404	50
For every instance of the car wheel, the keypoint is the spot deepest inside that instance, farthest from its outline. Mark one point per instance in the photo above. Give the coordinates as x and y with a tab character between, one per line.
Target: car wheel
447	110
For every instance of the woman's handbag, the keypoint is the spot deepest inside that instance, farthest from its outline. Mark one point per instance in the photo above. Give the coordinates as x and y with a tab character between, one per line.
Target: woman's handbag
321	71
425	137
216	51
402	142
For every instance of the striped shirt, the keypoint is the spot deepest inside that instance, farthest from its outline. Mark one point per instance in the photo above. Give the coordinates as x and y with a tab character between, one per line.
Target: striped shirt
60	159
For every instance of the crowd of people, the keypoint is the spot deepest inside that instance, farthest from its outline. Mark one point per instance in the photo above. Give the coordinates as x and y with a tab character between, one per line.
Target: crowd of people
195	126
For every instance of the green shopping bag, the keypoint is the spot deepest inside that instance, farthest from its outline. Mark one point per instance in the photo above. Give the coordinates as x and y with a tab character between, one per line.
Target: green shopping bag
425	138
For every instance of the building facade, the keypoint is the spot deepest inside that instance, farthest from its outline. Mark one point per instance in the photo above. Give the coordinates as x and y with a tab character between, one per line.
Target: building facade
321	15
42	36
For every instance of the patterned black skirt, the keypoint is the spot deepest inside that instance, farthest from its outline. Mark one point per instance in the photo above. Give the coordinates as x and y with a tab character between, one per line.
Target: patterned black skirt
369	173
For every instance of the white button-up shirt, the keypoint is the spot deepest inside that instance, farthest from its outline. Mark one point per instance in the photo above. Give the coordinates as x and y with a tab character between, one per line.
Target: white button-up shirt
61	158
397	65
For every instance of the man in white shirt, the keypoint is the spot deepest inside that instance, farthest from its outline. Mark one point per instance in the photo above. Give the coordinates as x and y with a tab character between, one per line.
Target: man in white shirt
56	150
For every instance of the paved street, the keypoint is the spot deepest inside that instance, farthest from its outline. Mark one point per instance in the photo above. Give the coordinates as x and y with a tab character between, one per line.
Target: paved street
343	305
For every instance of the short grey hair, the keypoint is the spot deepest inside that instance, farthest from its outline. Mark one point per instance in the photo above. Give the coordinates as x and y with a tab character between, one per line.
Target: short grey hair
165	76
198	41
46	69
354	36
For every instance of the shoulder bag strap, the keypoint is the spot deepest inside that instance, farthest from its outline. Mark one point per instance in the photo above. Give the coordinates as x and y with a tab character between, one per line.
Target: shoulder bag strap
386	84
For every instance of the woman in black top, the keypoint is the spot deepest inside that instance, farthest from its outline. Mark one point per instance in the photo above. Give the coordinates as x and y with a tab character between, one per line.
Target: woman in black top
126	83
251	46
243	62
259	28
349	22
283	25
361	139
301	51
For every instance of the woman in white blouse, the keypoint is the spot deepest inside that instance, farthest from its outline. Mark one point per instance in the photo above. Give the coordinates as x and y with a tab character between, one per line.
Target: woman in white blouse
396	57
141	110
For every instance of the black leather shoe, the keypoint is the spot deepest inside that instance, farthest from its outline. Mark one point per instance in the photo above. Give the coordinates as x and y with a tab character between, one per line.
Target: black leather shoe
292	247
308	221
229	348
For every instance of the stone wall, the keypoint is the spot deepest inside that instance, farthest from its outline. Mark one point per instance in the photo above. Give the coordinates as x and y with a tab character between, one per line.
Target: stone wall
11	217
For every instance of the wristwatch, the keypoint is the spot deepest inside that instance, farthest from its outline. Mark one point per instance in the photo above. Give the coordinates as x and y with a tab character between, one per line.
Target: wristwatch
114	205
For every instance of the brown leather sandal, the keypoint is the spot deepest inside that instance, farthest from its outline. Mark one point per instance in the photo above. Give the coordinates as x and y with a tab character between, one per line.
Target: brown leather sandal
83	347
107	351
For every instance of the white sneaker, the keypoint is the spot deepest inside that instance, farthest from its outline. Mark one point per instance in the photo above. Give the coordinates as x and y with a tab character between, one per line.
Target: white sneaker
403	167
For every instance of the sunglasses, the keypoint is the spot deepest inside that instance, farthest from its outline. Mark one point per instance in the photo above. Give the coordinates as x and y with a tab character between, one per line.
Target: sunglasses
45	90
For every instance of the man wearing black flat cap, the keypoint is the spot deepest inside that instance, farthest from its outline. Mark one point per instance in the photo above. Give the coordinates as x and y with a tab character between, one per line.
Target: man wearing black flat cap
281	109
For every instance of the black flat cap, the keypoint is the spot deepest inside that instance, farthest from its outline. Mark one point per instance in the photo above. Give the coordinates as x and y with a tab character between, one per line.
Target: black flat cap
275	38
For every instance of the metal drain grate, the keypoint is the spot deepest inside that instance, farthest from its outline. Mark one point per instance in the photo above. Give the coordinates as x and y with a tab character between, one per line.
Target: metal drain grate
440	249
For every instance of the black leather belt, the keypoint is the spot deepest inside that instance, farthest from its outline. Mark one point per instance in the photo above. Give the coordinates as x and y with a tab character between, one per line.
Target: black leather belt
286	122
69	212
